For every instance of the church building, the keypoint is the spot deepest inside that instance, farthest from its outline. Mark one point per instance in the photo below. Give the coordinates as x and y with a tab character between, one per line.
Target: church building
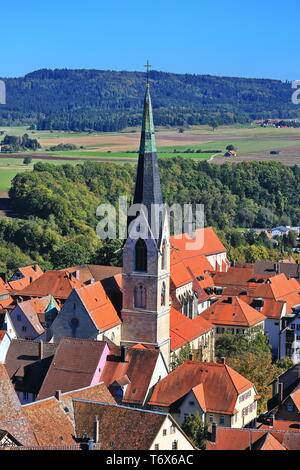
146	253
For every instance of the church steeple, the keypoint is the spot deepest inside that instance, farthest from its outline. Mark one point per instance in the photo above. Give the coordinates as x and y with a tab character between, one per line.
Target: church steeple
147	187
146	253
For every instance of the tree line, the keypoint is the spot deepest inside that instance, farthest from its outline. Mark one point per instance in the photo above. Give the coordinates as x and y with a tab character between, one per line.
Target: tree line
86	100
58	206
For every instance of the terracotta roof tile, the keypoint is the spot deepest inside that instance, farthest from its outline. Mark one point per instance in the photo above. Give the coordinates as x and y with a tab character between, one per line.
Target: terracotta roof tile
132	428
29	273
57	283
221	385
12	418
99	306
241	439
26	354
49	422
73	366
209	241
282	425
139	366
232	311
183	330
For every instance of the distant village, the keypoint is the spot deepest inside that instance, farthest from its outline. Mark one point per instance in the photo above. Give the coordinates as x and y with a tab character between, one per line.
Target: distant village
98	357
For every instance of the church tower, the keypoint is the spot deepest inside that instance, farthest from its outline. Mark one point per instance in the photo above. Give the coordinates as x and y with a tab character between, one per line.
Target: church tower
146	252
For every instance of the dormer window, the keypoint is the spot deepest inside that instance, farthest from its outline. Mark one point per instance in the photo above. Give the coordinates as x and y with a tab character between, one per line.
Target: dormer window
140	255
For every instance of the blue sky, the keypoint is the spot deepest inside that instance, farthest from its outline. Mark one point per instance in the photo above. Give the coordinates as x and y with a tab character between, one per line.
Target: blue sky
216	37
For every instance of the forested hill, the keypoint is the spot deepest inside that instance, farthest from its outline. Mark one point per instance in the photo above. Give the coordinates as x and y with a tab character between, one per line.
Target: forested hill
110	101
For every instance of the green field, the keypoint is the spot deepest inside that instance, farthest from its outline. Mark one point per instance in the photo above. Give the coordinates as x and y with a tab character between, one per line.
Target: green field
247	139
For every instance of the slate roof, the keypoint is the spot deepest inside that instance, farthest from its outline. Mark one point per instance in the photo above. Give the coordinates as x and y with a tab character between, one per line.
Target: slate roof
73	366
131	429
24	355
221	385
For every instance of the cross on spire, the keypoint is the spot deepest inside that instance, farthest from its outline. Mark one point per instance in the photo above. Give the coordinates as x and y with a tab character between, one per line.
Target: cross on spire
148	66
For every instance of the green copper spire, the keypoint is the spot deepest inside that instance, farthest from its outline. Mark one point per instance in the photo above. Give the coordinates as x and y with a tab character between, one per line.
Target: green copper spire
147	187
147	144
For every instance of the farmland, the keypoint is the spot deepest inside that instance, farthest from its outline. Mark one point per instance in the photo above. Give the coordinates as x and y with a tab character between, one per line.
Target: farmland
253	143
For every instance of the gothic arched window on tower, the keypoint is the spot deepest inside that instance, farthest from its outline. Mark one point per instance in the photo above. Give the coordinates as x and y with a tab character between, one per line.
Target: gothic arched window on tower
140	296
140	255
163	294
164	256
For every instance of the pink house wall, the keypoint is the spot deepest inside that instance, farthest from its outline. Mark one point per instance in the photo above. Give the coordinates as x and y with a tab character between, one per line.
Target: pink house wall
100	366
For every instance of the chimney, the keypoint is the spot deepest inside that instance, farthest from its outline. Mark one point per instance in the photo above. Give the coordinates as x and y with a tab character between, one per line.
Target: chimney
34	267
91	444
272	418
41	350
213	434
275	387
58	395
223	359
280	392
123	353
96	429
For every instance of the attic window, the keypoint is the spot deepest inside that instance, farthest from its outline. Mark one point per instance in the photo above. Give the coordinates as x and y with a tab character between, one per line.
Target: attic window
112	444
134	390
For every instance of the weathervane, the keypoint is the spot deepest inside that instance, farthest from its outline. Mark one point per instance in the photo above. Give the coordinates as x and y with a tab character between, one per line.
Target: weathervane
148	68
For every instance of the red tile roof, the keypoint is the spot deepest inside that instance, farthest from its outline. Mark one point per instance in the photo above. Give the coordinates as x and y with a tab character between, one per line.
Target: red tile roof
178	272
31	309
120	428
12	418
295	396
232	311
30	274
99	306
268	442
183	330
241	439
57	283
221	385
49	422
282	425
236	277
138	367
2	334
278	288
73	366
208	240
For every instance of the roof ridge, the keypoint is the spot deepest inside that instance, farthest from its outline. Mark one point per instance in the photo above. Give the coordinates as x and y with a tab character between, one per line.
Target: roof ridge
116	405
